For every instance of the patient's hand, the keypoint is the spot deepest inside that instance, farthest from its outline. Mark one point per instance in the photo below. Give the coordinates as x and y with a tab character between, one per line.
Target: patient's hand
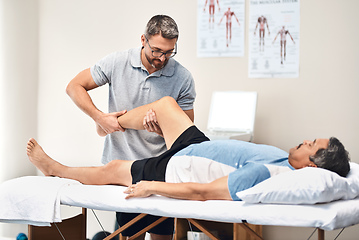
150	123
140	189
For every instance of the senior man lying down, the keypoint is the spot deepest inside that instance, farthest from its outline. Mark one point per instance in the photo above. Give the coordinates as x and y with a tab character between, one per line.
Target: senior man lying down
193	167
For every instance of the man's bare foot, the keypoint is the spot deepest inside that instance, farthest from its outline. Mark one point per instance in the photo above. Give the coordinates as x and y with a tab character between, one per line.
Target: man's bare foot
39	158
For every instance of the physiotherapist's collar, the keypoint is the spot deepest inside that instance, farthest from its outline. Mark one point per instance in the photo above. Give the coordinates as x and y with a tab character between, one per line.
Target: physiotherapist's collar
136	62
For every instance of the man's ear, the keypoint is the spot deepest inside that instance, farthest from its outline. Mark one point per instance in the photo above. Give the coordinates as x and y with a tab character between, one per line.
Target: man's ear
143	40
311	164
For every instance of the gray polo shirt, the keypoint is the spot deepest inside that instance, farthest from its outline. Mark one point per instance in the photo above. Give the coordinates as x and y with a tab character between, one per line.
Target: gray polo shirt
131	86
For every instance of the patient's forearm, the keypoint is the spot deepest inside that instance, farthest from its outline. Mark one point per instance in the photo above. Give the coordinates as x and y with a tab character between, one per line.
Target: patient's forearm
216	190
187	191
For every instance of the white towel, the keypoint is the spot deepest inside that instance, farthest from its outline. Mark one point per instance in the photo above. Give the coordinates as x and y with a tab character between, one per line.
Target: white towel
32	200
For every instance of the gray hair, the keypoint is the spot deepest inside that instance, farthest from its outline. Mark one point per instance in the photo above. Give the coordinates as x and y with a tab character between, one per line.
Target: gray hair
162	24
334	158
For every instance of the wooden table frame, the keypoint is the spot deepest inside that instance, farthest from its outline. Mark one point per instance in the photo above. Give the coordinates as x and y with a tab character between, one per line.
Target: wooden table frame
75	229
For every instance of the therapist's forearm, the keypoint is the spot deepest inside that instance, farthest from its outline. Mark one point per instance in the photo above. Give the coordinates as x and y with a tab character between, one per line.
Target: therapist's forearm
78	92
82	99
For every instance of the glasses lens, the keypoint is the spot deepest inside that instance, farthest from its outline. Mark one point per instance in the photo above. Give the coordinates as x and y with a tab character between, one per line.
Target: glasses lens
170	54
157	54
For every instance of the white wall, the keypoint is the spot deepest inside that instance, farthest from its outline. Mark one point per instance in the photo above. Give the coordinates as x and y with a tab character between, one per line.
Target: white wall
320	103
19	68
74	34
18	90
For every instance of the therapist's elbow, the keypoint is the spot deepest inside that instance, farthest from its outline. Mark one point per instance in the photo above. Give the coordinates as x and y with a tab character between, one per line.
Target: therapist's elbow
81	82
69	89
73	88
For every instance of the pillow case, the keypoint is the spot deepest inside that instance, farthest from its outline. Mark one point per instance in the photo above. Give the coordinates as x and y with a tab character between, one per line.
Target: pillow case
305	186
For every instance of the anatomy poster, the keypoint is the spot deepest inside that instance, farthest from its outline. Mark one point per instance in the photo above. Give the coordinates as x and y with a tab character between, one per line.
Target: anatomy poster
220	28
273	39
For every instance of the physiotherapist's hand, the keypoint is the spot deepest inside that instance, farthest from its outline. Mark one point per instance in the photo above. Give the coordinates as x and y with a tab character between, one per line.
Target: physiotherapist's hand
140	189
107	123
150	123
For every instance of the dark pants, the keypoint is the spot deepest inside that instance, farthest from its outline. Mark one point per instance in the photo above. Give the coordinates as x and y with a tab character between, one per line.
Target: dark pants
154	169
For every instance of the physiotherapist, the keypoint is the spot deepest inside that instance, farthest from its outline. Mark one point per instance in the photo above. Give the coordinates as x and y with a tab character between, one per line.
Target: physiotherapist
136	77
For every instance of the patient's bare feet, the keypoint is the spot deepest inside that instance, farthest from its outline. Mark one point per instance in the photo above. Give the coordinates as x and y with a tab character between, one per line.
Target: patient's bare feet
39	158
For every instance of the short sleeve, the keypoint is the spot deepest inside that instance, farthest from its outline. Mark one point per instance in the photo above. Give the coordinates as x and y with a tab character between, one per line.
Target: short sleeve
101	72
188	94
246	177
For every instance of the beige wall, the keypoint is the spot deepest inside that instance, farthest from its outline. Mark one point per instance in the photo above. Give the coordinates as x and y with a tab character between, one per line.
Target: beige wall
18	90
320	103
74	34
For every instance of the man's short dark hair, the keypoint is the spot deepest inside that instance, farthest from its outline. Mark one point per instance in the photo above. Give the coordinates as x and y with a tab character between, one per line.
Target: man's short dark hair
162	24
334	158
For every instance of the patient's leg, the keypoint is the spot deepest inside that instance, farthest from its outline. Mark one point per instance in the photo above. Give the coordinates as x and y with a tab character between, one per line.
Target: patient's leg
171	118
116	172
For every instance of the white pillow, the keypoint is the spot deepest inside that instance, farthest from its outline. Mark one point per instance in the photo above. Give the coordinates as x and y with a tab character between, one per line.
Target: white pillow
304	186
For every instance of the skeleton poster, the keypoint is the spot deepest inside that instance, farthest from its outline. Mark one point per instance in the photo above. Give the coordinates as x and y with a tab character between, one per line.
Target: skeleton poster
220	28
273	39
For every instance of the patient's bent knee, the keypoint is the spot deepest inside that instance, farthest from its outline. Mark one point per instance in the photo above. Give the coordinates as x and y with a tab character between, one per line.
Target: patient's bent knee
168	99
167	102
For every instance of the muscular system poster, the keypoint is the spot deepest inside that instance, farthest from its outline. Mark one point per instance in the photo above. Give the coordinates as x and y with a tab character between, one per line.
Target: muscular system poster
220	28
273	39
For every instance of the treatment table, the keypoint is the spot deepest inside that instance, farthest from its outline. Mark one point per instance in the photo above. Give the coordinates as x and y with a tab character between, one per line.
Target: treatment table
309	197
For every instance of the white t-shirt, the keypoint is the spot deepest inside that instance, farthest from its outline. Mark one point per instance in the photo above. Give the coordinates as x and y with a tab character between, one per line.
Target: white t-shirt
245	163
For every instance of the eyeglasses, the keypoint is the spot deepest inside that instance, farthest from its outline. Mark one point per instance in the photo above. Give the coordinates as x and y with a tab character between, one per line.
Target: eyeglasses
158	54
